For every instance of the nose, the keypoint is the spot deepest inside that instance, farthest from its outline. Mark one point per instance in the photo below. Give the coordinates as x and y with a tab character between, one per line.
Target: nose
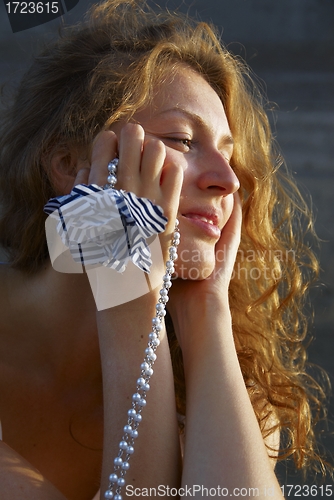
217	175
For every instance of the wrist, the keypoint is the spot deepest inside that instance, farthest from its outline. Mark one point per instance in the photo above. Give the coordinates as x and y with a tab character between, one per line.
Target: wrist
188	303
201	321
132	318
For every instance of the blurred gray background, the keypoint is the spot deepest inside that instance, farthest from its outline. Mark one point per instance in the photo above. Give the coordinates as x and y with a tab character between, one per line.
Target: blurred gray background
290	46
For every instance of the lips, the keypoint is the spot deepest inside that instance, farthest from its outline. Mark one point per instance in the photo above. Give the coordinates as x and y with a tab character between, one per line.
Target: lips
207	221
199	217
208	216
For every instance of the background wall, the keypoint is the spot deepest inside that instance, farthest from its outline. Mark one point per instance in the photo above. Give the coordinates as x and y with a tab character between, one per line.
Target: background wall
290	46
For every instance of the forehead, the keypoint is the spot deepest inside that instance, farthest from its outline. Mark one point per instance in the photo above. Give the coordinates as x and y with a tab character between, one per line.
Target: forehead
186	90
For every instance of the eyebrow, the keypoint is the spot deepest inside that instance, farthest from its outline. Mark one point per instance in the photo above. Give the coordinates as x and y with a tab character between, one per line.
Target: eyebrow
198	120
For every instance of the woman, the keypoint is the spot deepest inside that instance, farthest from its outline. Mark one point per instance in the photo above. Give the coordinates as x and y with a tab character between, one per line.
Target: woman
182	116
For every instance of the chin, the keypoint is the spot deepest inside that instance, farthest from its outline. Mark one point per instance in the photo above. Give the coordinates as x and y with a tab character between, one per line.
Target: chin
196	259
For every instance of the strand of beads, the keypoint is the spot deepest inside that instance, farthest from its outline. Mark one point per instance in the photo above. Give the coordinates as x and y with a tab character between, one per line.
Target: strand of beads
130	430
112	174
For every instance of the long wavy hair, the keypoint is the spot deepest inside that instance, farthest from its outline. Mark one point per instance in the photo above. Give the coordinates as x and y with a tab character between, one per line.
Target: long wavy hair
106	69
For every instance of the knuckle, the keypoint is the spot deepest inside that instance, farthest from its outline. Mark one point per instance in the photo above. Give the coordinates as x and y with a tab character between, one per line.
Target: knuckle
154	146
104	136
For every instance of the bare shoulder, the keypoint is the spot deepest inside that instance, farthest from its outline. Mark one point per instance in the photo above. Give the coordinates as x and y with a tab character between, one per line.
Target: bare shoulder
18	479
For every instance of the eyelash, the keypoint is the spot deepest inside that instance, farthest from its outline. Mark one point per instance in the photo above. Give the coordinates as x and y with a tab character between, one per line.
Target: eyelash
188	143
185	142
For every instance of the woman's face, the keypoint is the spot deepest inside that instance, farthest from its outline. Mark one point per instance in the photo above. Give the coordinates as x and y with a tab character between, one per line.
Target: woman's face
188	117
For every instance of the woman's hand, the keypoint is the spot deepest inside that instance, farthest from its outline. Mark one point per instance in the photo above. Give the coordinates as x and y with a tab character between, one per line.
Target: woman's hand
226	251
210	295
187	293
142	169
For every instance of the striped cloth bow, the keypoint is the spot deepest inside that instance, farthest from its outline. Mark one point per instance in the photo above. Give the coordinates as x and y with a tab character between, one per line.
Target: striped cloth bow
107	227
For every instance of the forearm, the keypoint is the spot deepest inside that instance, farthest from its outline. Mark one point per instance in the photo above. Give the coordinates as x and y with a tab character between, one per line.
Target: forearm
123	333
224	445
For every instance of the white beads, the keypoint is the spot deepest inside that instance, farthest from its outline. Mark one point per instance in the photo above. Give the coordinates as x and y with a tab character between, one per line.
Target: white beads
113	478
164	292
160	308
172	253
147	369
136	397
126	448
167	281
143	385
112	166
112	177
123	445
138	418
150	354
152	357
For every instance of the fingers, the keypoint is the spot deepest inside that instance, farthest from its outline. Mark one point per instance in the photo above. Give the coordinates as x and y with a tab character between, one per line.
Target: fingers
104	150
233	225
229	242
142	169
153	159
141	163
130	153
82	176
231	232
171	182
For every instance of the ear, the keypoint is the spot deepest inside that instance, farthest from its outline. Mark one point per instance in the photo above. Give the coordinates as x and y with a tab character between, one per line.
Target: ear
64	166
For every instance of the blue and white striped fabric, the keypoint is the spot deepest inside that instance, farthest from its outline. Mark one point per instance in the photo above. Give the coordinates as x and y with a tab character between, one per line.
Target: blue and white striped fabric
107	227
